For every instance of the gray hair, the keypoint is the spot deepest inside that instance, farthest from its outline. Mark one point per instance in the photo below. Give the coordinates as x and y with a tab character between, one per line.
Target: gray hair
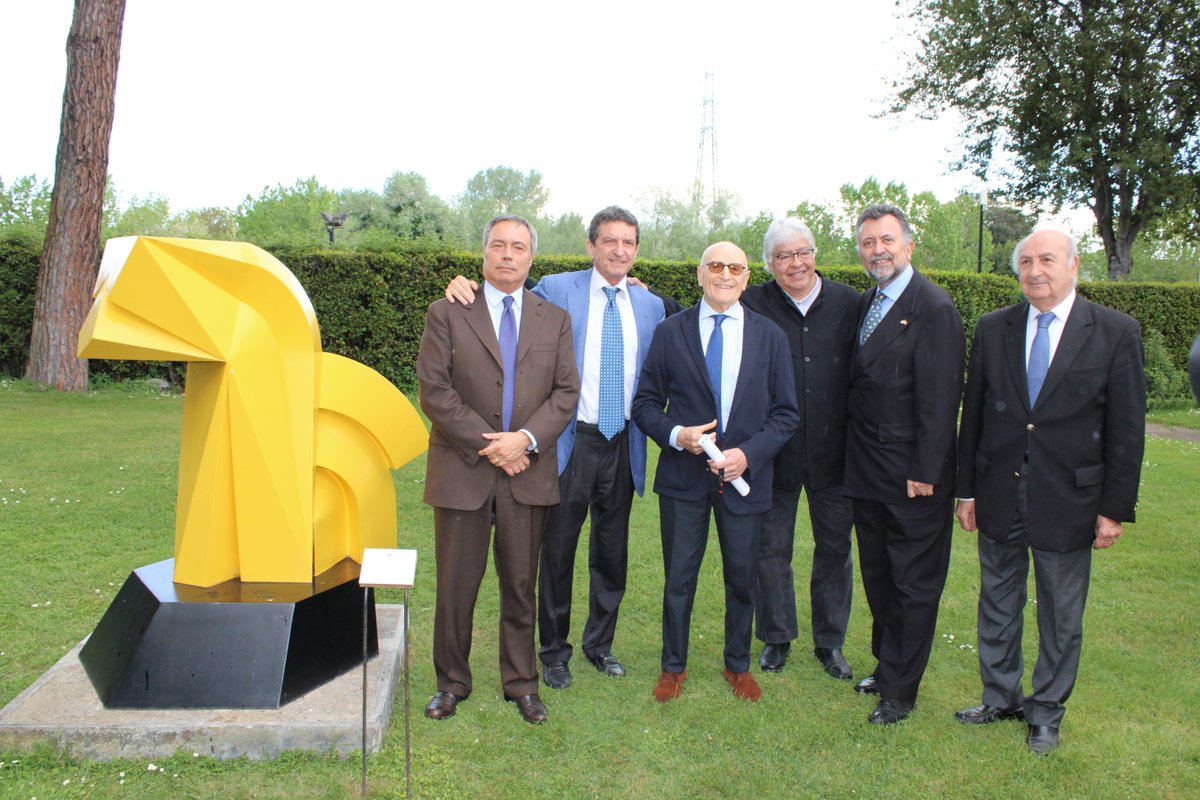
880	210
613	214
512	218
783	229
1072	250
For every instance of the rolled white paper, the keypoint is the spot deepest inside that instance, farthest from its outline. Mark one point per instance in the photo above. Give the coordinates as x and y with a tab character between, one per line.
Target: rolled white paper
711	450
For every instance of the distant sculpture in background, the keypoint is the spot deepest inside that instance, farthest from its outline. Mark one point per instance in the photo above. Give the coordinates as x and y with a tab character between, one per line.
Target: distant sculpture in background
285	453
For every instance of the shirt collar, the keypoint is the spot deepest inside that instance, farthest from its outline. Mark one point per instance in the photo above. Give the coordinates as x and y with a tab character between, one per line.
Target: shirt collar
1061	311
733	312
495	297
598	283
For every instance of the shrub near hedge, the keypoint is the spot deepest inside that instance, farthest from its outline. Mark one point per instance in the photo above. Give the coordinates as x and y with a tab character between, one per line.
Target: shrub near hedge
371	305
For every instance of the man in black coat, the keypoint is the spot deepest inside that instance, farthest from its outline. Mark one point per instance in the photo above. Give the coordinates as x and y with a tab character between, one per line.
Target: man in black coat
905	384
1050	455
820	319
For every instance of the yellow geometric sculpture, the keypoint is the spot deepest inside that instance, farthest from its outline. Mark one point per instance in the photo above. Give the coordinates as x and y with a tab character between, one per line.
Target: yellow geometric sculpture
284	458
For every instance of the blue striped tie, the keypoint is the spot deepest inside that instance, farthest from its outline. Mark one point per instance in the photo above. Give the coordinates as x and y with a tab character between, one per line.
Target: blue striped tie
611	416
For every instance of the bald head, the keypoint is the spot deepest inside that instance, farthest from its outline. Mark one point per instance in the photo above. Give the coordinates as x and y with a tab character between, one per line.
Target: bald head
721	286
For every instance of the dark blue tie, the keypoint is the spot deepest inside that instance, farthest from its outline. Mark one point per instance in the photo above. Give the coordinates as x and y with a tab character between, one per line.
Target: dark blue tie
508	358
611	416
874	315
712	358
1039	356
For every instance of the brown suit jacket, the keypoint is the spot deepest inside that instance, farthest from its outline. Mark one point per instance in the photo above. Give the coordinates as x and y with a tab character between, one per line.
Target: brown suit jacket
461	383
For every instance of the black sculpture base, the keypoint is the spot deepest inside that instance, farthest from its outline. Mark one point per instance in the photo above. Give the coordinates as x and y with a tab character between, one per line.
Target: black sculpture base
235	645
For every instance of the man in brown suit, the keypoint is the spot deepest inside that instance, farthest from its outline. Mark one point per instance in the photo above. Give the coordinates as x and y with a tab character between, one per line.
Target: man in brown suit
498	382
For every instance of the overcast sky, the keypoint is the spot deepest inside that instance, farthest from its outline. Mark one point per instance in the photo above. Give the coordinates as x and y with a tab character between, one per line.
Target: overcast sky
219	99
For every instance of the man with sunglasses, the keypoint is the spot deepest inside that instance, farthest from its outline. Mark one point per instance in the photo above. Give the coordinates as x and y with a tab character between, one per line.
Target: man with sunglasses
715	370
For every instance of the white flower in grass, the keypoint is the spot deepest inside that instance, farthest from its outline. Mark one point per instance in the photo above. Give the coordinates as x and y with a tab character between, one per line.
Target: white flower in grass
67	781
151	767
121	775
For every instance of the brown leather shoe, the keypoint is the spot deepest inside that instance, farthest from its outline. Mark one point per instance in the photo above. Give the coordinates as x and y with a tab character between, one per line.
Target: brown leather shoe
443	705
744	685
669	686
532	709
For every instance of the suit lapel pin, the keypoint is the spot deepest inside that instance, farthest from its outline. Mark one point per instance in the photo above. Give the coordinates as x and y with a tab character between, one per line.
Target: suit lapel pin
903	322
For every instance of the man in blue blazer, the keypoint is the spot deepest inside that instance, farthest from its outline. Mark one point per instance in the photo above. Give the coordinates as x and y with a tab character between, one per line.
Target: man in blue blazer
715	369
1050	455
601	463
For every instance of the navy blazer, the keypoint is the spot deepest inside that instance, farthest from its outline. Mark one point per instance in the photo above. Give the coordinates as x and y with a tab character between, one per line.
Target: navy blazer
675	390
1084	436
905	385
821	343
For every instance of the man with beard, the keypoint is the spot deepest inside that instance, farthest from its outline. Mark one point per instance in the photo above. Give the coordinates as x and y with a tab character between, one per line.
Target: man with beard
905	383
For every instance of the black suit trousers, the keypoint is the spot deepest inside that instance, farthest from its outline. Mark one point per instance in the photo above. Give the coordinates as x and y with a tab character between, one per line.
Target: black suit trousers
597	479
904	554
831	583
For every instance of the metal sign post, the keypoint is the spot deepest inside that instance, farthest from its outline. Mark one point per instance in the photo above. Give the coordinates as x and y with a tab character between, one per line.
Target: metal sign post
391	569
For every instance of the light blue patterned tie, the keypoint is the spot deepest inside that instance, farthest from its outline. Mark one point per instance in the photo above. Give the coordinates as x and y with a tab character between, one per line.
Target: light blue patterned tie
874	315
612	369
712	359
508	359
1039	356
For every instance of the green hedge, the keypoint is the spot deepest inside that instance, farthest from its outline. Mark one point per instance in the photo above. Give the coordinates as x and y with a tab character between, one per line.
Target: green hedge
371	306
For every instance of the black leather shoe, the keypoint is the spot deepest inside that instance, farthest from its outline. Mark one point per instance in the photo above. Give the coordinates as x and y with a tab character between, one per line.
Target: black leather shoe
532	709
443	705
890	711
608	664
774	656
985	714
557	675
1042	739
834	662
867	686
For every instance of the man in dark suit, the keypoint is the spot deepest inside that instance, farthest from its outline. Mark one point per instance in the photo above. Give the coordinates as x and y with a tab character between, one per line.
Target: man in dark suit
820	319
717	368
601	457
498	382
905	384
1050	454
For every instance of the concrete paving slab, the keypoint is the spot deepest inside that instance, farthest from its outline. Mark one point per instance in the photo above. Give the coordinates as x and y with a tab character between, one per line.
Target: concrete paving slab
62	708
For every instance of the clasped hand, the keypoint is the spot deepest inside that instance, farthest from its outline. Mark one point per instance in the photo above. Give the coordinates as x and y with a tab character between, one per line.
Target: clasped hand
508	450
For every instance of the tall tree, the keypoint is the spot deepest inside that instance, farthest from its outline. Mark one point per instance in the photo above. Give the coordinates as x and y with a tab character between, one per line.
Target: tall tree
70	255
1096	102
501	190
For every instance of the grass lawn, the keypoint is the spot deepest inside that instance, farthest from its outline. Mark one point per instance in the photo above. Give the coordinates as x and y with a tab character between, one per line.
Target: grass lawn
87	485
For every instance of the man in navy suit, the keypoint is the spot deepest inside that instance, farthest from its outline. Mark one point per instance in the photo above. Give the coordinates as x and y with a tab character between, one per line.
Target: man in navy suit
601	463
715	369
905	384
1050	454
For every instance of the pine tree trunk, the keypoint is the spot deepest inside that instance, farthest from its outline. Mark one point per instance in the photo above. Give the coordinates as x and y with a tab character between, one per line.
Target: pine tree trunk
71	252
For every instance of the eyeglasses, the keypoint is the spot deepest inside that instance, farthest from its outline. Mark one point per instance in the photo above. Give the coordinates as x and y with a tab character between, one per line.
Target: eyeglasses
717	267
803	252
